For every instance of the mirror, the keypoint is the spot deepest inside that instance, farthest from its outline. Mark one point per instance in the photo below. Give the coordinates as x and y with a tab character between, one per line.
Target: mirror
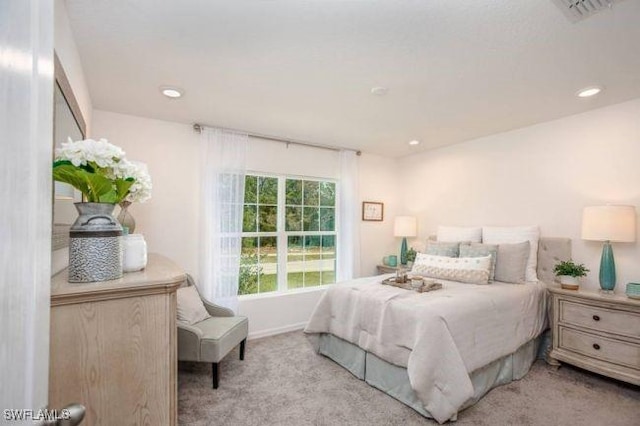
67	123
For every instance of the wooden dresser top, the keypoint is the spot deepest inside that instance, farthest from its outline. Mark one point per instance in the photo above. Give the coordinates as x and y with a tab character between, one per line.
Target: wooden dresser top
161	275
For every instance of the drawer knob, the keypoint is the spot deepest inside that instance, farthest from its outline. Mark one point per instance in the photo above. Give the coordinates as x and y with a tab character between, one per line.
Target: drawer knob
596	346
596	318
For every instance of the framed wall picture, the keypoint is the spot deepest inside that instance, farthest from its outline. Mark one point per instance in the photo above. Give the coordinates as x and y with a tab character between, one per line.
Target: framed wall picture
372	211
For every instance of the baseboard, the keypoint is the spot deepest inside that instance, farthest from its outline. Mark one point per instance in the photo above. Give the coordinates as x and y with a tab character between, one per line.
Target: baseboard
276	330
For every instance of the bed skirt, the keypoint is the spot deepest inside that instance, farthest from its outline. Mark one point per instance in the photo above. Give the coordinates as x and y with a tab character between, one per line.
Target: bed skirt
394	380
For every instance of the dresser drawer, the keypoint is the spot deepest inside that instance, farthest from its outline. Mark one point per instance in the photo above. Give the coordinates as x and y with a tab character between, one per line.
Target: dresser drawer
602	319
610	350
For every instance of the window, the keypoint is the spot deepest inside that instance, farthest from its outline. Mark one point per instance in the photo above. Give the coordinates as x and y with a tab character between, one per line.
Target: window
289	234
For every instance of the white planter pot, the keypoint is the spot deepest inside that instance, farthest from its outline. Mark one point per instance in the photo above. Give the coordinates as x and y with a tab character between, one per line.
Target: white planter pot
568	282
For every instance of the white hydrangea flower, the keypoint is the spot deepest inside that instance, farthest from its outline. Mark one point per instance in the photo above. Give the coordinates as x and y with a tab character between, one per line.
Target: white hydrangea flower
100	152
111	162
140	191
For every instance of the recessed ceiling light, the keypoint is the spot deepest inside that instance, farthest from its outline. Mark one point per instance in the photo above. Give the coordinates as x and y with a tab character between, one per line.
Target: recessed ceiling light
171	92
414	142
379	91
587	92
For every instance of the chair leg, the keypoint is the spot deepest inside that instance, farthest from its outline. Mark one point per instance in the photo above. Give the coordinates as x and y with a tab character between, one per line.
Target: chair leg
216	372
242	349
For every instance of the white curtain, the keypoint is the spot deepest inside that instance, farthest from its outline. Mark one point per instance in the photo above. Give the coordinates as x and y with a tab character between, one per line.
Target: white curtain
223	156
348	218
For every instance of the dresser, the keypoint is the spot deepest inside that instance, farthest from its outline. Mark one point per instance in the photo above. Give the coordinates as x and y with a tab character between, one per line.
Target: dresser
597	332
113	346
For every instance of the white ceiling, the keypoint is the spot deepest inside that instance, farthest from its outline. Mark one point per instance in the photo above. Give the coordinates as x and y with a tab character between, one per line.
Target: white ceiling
455	69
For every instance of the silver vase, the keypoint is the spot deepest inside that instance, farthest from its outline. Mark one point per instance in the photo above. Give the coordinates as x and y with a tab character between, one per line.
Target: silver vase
95	245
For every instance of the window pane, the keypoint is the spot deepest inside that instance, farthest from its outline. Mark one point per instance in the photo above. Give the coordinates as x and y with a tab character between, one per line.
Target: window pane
329	276
312	261
249	245
250	189
267	219
293	220
328	259
328	247
294	191
327	219
327	194
311	195
267	190
249	223
295	262
311	218
294	249
269	264
249	266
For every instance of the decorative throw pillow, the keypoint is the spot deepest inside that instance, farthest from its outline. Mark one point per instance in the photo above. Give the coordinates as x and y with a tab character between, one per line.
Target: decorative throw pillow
437	248
474	270
190	307
516	234
511	262
459	233
481	250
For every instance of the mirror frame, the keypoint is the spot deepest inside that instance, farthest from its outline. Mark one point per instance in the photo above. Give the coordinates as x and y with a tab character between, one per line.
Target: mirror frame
60	233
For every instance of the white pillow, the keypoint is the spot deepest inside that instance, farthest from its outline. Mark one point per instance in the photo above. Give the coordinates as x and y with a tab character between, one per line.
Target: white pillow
459	233
190	307
516	234
473	270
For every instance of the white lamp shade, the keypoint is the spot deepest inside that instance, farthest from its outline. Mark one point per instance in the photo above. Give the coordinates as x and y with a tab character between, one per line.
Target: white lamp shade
609	223
405	226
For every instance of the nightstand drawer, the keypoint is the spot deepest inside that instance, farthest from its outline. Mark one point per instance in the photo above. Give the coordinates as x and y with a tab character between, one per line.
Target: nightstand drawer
596	318
602	348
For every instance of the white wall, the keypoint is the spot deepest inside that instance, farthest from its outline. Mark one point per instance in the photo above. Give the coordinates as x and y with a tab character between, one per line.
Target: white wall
169	220
543	175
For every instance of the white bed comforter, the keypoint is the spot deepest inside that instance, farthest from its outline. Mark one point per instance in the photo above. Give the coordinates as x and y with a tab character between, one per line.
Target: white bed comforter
440	337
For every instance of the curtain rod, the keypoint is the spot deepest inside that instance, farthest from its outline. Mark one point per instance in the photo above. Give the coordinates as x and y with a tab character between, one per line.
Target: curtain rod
198	128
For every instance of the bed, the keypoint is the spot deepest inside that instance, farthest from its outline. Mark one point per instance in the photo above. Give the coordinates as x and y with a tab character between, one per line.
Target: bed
437	352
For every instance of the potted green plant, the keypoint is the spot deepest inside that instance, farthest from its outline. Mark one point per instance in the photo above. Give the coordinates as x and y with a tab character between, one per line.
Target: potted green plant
569	273
411	257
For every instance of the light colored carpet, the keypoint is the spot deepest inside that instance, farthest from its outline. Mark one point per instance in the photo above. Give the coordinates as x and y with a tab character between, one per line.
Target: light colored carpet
283	382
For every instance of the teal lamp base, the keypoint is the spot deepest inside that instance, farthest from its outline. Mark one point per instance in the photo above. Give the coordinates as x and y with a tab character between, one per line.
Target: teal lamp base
403	252
607	269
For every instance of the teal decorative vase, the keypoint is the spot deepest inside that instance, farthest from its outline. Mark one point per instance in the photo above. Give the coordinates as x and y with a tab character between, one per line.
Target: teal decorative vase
403	252
607	268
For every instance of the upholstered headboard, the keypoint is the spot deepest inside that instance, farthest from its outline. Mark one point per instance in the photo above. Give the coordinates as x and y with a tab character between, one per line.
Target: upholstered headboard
550	251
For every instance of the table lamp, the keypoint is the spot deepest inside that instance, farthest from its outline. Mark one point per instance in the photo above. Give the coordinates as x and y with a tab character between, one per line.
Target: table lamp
609	224
404	226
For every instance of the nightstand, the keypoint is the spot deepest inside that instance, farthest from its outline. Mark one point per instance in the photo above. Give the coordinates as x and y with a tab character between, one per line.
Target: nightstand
597	332
385	269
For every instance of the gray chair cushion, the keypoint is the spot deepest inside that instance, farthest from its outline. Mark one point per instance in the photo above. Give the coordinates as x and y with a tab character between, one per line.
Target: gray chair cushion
220	335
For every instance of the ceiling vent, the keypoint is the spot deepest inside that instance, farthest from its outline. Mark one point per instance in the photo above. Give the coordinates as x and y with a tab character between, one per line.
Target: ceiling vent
577	10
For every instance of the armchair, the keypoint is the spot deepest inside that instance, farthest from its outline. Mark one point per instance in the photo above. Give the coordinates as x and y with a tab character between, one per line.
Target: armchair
212	339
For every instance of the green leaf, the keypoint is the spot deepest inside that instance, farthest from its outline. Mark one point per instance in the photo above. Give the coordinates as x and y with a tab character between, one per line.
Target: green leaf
122	187
61	163
96	187
64	171
99	186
